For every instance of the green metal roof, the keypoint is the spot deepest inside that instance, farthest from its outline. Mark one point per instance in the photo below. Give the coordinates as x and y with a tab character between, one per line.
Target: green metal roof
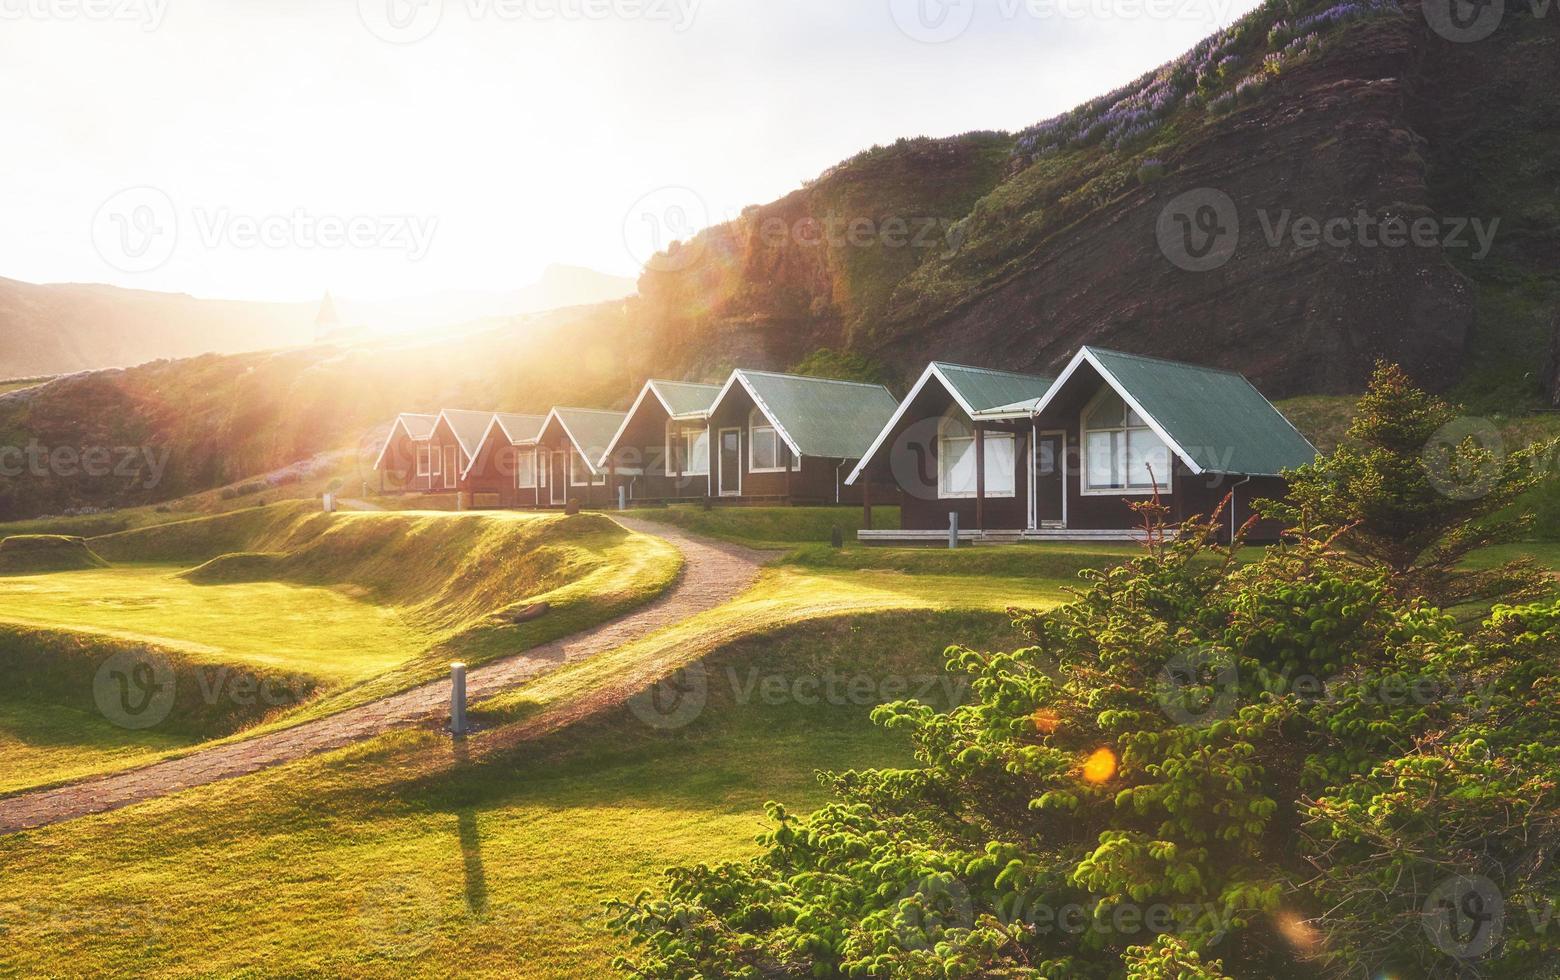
820	416
984	389
469	427
521	428
1217	418
591	429
686	397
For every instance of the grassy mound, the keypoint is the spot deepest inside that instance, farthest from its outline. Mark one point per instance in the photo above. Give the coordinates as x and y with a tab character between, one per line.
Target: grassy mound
325	611
23	553
769	527
238	566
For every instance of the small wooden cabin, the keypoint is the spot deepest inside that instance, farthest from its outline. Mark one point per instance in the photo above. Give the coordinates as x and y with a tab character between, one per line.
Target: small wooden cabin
405	464
785	438
661	452
1112	429
503	470
571	447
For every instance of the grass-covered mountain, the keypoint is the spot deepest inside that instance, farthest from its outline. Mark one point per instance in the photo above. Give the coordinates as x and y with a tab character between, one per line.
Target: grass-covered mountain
1313	109
1000	249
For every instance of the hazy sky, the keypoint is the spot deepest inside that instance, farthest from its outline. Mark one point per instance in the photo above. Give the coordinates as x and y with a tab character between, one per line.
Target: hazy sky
274	148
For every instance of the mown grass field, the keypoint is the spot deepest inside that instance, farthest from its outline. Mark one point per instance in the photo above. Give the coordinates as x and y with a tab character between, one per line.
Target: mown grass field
394	858
333	610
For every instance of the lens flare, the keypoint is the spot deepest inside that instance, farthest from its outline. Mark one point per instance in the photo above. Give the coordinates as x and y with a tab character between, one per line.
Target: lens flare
1100	765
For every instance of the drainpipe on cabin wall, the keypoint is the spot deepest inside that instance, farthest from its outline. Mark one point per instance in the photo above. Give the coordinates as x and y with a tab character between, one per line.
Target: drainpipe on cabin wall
1234	499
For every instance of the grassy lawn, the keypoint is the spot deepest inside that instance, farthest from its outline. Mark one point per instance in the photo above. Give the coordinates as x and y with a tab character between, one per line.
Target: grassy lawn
344	608
45	743
276	626
768	527
396	858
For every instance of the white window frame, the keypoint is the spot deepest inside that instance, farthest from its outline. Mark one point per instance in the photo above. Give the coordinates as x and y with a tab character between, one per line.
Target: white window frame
997	436
689	436
424	460
451	468
522	456
758	422
591	480
1162	481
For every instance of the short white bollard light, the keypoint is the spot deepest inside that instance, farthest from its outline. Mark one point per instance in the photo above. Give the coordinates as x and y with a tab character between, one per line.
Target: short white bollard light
622	498
953	529
458	726
330	503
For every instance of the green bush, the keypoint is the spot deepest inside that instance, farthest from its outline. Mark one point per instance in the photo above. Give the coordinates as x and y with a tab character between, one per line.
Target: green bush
1288	767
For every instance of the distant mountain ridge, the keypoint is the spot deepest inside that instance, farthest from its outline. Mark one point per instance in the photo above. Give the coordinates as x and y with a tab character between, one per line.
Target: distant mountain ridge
68	327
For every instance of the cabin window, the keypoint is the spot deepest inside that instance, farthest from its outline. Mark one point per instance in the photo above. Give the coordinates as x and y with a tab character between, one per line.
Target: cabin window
525	469
956	476
450	468
424	461
438	459
580	474
767	452
1122	454
690	453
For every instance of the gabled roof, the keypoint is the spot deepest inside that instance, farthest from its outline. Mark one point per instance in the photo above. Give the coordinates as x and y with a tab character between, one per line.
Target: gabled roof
469	427
1214	420
590	429
679	399
517	430
816	416
417	428
684	399
983	393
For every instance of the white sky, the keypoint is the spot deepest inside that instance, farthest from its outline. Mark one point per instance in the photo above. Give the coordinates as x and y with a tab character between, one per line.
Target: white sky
517	140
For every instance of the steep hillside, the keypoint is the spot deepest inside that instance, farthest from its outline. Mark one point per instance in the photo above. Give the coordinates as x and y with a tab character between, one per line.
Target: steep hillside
1182	215
1302	110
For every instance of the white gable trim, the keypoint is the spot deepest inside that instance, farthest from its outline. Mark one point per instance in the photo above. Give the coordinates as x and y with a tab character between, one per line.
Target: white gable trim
1085	355
737	377
899	413
497	423
399	423
594	467
468	450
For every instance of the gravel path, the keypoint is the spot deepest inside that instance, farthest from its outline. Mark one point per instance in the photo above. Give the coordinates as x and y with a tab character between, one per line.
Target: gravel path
713	573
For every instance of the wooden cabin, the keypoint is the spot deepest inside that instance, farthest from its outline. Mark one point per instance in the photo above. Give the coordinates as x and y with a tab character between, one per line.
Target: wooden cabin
661	452
789	439
503	470
1112	429
571	447
405	463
